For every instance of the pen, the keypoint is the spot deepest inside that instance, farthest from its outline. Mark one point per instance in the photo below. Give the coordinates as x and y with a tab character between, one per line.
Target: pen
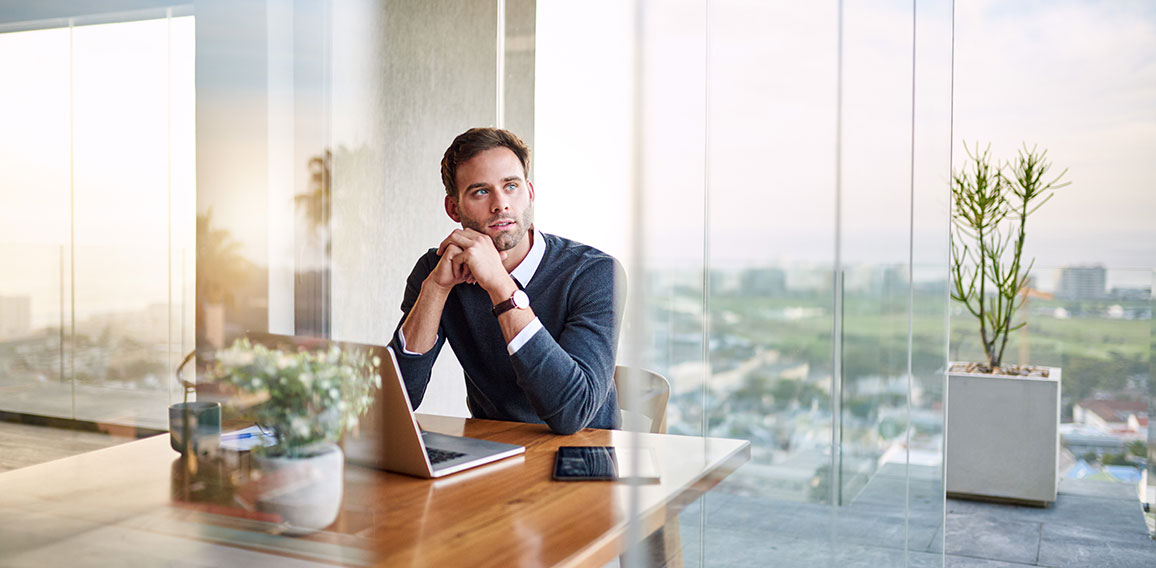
240	436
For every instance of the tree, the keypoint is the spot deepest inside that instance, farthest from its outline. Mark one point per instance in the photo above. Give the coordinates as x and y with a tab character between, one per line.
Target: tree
1115	459
220	265
1137	448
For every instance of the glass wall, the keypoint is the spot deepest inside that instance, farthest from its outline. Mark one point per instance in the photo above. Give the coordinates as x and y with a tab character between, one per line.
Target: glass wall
97	233
775	177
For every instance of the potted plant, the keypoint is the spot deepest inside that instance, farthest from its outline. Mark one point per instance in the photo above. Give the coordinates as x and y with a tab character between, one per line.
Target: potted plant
1002	420
307	400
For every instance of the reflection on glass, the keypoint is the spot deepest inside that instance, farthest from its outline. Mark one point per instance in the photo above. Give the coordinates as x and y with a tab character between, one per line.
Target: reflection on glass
34	156
226	272
94	246
33	365
299	397
305	397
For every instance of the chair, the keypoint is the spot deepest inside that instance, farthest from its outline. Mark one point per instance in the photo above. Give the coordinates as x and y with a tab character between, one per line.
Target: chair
643	392
646	393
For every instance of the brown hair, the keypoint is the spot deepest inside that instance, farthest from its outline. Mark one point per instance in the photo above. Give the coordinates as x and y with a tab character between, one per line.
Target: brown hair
475	141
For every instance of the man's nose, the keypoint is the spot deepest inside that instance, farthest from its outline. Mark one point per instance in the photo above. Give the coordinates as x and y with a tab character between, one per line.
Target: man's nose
501	202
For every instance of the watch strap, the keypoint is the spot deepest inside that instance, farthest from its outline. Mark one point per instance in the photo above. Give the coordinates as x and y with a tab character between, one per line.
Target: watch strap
503	307
508	304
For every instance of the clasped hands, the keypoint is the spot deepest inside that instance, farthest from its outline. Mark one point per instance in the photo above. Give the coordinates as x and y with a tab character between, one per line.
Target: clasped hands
470	257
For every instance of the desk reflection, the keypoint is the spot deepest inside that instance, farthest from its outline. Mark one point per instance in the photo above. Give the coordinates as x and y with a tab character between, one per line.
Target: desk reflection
138	500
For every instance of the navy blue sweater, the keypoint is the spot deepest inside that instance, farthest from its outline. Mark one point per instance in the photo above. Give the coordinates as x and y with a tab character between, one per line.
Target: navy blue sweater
564	375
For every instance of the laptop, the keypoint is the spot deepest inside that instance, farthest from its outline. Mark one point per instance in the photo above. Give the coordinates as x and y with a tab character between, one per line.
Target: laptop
392	440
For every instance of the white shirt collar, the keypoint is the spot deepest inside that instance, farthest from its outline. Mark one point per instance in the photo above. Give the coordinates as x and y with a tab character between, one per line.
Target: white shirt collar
529	265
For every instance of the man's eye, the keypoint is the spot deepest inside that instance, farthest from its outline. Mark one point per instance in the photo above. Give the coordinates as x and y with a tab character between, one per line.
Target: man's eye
511	186
482	192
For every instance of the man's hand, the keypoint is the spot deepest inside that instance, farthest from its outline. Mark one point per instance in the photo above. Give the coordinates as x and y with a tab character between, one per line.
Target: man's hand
474	259
420	327
467	256
447	273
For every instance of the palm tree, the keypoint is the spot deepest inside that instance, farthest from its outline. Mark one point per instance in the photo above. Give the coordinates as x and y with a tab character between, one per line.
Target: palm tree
221	268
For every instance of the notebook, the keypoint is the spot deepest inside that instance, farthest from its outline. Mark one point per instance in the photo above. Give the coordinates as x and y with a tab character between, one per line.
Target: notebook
392	440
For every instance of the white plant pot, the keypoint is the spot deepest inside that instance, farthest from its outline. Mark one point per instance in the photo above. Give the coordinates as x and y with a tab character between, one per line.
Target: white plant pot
1003	437
304	491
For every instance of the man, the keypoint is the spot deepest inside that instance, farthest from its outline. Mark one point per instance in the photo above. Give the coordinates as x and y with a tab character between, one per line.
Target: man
532	317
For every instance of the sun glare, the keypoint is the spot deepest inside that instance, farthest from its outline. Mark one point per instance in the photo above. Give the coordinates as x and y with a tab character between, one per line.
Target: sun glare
98	154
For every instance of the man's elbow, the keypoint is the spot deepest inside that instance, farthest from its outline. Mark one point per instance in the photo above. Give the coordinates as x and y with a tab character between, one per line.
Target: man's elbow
566	425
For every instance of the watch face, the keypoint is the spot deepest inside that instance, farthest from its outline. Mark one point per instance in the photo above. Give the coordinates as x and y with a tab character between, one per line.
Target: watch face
521	300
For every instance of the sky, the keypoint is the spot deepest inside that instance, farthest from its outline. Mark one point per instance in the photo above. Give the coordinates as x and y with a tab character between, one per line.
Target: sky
1076	78
106	115
738	157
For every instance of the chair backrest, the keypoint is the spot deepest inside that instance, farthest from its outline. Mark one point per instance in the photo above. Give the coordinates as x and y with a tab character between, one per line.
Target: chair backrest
644	392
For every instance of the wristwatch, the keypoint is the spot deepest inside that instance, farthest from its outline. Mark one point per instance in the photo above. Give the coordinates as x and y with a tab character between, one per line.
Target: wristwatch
518	299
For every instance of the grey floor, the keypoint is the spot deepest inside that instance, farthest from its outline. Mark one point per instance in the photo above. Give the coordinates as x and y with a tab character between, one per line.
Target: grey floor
1092	523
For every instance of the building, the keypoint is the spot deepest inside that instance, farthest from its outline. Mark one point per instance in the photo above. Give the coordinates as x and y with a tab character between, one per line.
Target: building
1125	419
764	282
1082	283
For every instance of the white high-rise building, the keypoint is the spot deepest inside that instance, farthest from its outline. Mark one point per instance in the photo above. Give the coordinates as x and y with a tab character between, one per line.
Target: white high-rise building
1082	282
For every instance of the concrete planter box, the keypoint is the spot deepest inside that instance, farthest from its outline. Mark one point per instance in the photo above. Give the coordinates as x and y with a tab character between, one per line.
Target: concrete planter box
1003	437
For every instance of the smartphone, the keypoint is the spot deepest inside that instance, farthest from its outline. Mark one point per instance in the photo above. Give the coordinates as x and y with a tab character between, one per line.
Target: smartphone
585	463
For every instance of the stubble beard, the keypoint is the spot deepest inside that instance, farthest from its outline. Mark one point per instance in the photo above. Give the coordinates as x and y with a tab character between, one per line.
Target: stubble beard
505	240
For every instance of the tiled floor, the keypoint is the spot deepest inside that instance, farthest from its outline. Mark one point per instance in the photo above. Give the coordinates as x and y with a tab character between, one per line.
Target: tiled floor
1092	523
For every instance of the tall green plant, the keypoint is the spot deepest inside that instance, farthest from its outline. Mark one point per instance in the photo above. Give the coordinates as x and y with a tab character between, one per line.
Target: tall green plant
989	218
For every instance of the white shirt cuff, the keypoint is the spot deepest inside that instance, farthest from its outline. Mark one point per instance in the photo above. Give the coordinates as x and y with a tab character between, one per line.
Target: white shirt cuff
401	340
524	336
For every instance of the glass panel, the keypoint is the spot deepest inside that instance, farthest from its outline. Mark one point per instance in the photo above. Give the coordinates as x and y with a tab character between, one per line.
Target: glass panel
122	166
876	193
34	175
760	260
672	237
771	228
183	195
930	244
104	133
408	78
604	175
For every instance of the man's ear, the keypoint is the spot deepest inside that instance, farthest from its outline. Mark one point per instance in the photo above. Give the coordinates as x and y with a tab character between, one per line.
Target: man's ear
452	209
530	184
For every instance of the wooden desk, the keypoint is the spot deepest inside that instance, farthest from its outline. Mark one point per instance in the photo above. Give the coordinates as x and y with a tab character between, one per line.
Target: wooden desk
121	503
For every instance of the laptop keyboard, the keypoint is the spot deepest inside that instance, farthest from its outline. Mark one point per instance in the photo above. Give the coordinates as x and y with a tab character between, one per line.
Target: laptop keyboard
437	456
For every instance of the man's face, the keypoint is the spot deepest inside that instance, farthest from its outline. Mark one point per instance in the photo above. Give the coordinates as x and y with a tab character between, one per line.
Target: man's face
494	198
